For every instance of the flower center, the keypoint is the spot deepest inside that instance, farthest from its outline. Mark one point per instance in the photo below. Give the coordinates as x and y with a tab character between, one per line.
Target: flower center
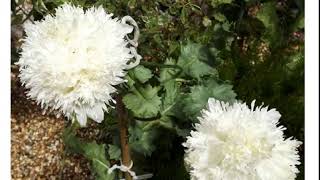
243	150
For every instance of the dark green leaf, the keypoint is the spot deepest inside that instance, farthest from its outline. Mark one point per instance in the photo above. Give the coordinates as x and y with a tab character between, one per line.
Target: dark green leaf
92	151
268	16
141	138
114	152
142	74
215	3
192	103
192	61
168	73
144	102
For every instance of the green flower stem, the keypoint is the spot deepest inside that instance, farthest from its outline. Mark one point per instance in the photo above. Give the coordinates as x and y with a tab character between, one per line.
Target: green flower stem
101	163
172	66
148	119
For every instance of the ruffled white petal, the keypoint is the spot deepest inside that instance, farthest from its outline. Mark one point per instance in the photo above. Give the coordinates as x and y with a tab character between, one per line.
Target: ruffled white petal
71	62
235	142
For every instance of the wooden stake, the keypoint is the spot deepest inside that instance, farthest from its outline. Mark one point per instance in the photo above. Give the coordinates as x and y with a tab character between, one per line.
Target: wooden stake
124	140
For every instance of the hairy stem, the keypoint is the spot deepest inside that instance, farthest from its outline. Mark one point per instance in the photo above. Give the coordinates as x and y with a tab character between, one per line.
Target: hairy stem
124	140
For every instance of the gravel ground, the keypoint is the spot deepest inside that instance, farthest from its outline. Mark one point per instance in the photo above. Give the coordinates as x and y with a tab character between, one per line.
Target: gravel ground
37	150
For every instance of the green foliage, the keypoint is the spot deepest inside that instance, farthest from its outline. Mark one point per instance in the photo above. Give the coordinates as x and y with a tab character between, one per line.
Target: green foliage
92	151
190	61
143	101
114	152
219	2
268	16
141	74
181	97
197	99
172	92
96	153
141	138
167	74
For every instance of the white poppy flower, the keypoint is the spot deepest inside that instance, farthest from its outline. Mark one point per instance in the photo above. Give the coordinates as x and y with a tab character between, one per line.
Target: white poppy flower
70	62
234	142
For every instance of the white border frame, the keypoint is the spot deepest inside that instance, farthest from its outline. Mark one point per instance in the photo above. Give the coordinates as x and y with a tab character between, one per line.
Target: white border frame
5	49
311	90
